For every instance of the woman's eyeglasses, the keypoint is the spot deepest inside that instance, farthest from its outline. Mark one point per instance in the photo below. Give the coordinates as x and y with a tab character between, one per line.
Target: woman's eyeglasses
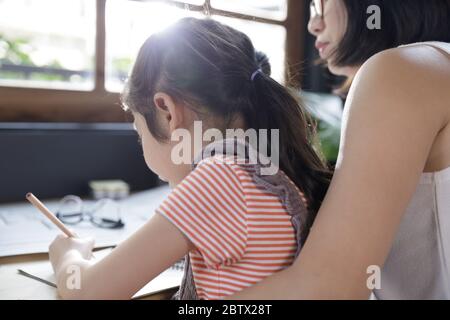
103	214
316	8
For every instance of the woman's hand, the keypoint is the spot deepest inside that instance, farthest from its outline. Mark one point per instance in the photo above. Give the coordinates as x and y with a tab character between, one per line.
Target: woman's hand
63	245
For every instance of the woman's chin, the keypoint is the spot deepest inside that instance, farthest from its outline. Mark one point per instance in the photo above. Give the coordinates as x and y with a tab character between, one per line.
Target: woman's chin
342	71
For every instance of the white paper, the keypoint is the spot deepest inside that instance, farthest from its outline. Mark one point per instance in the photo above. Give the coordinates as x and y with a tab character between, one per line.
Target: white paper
24	230
170	278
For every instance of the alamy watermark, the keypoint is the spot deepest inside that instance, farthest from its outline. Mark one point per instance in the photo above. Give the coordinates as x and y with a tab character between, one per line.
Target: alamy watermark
374	20
73	281
374	280
256	148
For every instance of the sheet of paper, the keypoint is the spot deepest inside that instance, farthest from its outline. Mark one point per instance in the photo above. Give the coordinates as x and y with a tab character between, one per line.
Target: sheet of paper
24	230
170	278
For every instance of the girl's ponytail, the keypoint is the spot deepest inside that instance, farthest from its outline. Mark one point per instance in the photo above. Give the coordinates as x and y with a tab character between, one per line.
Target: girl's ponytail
275	107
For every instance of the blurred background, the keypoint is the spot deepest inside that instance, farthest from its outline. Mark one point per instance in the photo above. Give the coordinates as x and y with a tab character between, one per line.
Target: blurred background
63	64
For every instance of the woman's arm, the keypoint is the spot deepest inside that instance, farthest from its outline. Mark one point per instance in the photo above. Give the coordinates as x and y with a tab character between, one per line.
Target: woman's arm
131	265
389	127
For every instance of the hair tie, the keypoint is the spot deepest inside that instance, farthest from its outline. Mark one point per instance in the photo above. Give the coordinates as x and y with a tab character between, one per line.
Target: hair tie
254	74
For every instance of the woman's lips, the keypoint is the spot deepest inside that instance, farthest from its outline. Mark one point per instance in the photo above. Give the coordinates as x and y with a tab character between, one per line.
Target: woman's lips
321	46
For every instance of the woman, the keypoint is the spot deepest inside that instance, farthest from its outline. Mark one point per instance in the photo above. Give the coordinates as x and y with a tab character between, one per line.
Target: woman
388	205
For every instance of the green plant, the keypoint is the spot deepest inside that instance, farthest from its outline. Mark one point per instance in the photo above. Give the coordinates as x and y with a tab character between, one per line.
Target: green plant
326	110
15	51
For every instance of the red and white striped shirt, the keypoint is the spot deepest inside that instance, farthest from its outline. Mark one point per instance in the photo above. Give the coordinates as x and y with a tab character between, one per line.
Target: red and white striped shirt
242	233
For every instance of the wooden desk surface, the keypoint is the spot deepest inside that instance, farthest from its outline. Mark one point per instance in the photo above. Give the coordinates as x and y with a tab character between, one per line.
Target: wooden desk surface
14	286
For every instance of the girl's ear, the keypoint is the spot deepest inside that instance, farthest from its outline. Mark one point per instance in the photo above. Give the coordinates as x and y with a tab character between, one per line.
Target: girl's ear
172	113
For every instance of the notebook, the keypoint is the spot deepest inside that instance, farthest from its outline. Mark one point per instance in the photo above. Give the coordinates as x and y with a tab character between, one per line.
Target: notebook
24	230
169	279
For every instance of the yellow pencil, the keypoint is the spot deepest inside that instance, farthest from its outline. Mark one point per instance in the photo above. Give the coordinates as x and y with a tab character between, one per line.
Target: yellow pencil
40	206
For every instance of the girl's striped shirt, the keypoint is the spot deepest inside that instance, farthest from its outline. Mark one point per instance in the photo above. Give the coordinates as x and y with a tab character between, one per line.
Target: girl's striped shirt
242	233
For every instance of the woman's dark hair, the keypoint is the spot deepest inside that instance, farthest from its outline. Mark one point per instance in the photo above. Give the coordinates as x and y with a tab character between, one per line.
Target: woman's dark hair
402	22
208	66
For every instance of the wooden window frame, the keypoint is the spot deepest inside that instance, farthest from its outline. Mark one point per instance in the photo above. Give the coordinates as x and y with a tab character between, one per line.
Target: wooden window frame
20	104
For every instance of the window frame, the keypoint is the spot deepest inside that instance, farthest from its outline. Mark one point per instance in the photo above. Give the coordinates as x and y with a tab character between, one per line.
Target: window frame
22	104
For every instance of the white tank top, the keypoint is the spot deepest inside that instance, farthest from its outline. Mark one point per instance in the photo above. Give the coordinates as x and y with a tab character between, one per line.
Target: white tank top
418	265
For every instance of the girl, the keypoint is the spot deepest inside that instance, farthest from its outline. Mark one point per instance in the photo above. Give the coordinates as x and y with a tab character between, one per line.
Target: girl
237	226
388	205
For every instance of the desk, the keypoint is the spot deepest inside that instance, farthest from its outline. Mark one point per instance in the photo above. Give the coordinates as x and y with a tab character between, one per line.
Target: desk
15	286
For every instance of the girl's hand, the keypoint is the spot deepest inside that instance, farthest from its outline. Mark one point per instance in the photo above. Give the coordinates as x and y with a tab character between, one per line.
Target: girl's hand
63	245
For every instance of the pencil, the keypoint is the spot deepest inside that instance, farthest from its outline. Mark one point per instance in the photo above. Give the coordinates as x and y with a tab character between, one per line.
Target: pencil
40	206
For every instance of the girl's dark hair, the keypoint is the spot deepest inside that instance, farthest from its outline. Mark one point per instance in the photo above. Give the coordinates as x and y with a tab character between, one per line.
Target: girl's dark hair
208	66
402	22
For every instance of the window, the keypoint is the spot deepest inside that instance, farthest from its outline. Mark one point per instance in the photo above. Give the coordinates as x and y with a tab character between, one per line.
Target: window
270	9
66	60
41	49
129	23
259	33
